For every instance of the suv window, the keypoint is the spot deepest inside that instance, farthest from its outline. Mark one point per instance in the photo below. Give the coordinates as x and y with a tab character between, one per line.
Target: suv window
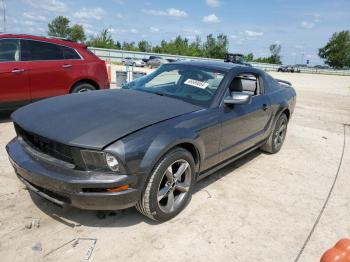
69	53
9	50
36	50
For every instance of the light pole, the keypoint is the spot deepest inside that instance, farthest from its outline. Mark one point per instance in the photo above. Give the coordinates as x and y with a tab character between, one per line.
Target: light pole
302	58
4	14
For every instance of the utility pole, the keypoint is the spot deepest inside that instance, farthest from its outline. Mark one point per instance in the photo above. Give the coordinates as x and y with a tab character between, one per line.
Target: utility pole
302	58
4	15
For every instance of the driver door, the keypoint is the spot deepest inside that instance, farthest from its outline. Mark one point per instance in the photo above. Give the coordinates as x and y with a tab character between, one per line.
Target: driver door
244	125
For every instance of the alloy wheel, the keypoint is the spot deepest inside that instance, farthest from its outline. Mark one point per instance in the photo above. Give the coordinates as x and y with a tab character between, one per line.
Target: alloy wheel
84	89
280	134
174	186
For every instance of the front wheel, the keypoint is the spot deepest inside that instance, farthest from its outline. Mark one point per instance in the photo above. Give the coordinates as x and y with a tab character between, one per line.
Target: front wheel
82	87
169	188
276	138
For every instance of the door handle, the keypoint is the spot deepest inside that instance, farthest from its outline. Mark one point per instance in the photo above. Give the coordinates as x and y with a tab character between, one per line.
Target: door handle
16	71
265	107
66	66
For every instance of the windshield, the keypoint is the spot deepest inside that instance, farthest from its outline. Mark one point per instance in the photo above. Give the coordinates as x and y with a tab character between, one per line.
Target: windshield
192	84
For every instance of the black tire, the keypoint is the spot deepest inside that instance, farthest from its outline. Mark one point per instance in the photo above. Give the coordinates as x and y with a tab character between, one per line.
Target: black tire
277	136
82	87
150	205
134	64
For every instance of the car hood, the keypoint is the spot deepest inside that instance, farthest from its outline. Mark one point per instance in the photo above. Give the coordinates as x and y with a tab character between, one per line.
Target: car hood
96	119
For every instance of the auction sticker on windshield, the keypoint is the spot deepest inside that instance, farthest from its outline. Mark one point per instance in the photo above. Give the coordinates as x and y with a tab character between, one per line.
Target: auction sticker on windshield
196	83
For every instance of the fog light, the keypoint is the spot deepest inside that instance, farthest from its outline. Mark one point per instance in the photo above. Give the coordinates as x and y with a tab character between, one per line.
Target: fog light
112	162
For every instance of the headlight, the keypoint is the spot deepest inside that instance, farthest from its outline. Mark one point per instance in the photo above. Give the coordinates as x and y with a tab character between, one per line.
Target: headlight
100	161
112	162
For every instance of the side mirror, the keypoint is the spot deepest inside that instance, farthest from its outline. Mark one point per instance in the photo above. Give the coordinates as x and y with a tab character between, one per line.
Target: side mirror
237	98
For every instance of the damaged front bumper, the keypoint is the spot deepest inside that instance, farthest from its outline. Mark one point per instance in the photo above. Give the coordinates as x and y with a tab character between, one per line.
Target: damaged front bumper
67	186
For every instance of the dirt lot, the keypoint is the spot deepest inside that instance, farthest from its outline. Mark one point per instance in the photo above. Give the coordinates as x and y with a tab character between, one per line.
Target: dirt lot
260	208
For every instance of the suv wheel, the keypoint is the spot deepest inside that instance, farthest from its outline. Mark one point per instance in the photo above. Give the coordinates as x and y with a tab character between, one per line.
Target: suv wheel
83	87
169	188
276	139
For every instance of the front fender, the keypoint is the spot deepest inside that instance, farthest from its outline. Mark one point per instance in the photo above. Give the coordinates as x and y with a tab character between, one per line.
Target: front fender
141	150
165	142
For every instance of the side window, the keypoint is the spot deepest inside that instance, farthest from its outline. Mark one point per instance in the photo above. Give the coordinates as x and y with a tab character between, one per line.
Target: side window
36	50
70	53
9	50
247	83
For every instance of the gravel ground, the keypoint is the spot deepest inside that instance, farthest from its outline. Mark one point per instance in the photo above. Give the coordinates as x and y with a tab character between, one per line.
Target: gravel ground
260	208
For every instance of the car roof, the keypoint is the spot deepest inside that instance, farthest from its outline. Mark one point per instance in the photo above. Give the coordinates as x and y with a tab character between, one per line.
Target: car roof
45	39
214	65
236	54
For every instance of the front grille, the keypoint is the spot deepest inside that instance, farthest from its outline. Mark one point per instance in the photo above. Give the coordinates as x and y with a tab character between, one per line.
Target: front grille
46	146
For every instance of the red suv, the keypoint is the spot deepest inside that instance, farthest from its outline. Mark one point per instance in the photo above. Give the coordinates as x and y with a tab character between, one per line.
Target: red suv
33	68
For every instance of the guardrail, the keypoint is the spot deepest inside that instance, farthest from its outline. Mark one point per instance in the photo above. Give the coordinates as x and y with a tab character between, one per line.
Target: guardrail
114	55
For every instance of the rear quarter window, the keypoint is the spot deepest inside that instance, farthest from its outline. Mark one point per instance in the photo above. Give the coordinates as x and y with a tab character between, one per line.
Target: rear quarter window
70	53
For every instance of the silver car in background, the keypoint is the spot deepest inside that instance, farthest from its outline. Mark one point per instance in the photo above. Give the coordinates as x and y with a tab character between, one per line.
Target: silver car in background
156	62
133	62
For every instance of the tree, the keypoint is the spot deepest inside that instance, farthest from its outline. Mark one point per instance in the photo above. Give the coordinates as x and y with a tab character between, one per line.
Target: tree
337	51
77	33
222	46
266	60
215	47
144	46
249	57
103	40
118	45
209	46
275	57
59	27
129	46
196	48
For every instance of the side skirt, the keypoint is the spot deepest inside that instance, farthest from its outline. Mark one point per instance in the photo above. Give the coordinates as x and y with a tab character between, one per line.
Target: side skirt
228	161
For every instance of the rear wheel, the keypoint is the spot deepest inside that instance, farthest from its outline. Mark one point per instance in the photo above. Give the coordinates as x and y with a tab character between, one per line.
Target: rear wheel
169	188
83	87
276	139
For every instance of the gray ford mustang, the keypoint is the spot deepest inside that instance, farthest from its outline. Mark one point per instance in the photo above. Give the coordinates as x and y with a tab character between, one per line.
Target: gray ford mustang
147	144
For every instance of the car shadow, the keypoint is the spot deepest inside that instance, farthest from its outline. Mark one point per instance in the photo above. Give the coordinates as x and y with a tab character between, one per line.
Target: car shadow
202	184
5	116
74	217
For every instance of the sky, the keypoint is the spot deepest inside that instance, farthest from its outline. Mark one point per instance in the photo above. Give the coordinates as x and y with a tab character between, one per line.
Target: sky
300	26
